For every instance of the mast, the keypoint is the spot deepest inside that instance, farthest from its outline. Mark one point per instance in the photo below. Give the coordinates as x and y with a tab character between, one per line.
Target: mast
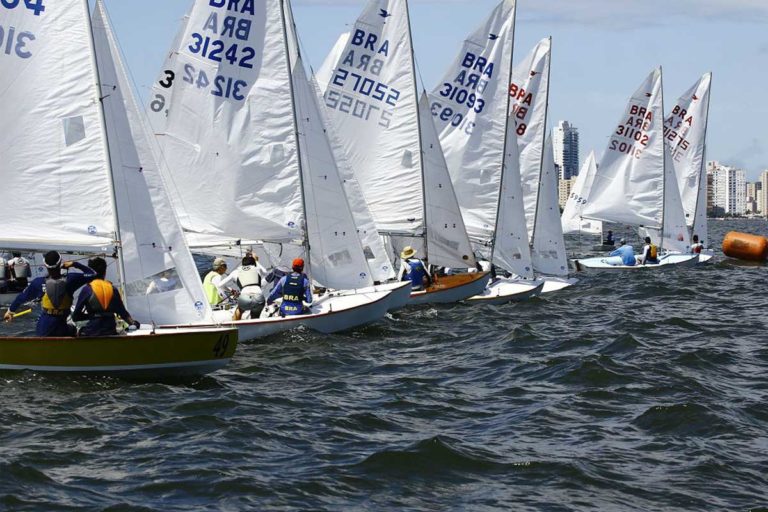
107	152
543	145
506	132
296	131
664	164
418	128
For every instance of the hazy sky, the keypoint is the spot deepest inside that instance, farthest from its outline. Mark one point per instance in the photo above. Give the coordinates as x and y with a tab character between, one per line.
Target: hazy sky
602	51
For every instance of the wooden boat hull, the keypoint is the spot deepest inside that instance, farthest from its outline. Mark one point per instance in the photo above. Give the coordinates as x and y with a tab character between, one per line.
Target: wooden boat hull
165	353
554	284
453	288
504	290
334	312
665	261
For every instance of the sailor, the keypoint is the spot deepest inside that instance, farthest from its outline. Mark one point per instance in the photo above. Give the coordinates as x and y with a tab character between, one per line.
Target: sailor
3	274
413	269
609	239
248	277
650	253
626	254
696	246
214	291
98	303
18	272
56	292
295	290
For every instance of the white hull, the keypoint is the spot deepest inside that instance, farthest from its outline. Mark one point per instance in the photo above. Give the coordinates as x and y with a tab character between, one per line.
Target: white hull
504	290
553	284
451	293
665	261
706	256
400	293
334	312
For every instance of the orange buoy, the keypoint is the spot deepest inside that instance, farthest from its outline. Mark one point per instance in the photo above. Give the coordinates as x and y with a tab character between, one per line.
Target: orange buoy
745	246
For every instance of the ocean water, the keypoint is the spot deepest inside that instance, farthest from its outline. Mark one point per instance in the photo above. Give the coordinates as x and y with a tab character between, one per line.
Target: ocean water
638	391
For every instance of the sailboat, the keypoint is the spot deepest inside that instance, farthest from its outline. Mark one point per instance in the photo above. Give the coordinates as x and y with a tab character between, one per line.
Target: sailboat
685	133
635	183
529	93
572	218
230	105
469	108
86	162
391	145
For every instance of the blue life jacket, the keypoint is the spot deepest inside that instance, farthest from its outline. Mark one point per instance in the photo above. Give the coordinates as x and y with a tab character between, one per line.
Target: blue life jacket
294	291
415	272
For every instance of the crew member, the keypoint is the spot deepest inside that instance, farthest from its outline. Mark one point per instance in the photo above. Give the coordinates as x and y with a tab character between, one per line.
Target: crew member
18	272
56	292
413	269
248	277
696	246
625	252
609	239
650	252
98	303
295	290
214	291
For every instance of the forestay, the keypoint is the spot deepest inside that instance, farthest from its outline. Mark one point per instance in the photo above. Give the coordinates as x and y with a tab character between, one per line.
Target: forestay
511	250
161	280
469	109
548	244
229	134
572	221
529	92
371	101
51	131
447	241
628	185
685	130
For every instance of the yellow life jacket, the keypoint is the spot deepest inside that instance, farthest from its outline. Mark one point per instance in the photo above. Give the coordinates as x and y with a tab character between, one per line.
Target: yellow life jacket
56	301
211	292
101	296
653	252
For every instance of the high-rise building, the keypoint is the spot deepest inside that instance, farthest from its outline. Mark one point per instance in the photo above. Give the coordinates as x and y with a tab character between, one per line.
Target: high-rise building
752	191
762	196
729	189
565	142
564	190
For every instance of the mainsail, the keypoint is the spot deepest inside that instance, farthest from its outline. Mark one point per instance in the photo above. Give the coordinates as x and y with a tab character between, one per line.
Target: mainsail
685	132
53	160
629	184
529	92
469	108
572	221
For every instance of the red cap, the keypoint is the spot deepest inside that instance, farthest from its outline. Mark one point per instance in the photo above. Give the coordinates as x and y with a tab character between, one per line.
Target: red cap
298	263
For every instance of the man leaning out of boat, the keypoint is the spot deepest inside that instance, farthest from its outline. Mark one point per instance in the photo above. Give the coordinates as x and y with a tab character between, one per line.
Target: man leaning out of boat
57	292
295	290
98	303
624	255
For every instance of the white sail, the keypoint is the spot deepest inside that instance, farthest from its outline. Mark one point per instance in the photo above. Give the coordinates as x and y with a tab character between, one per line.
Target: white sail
675	235
572	221
511	250
628	185
371	101
469	108
323	75
447	241
229	134
161	280
528	94
336	254
685	129
548	244
51	131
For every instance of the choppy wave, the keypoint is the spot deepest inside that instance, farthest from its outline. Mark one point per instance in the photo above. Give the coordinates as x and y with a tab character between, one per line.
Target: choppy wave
640	392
